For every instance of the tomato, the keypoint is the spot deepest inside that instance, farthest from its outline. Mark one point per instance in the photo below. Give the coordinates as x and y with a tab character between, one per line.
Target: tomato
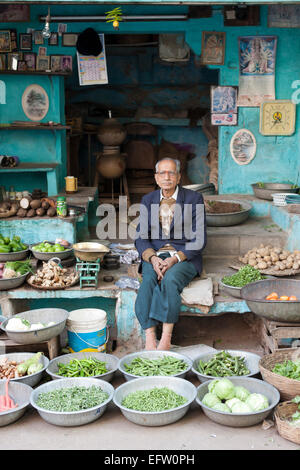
284	297
272	296
292	297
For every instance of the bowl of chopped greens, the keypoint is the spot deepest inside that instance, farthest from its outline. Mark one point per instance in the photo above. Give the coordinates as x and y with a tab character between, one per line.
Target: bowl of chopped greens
149	363
83	364
237	401
229	363
35	326
155	401
233	284
72	402
13	274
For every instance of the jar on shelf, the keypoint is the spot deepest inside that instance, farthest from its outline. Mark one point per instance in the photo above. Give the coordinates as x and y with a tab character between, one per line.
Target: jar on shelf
61	207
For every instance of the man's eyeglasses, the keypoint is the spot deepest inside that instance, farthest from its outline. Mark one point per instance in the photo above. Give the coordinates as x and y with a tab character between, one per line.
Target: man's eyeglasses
164	173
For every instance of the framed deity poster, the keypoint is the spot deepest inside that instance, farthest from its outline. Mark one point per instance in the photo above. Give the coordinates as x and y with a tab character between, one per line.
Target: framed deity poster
277	117
243	147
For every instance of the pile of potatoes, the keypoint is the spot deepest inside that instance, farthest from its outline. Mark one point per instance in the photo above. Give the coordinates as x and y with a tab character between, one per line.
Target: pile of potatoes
269	257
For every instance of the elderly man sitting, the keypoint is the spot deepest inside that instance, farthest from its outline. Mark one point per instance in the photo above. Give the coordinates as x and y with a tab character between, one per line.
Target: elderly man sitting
170	238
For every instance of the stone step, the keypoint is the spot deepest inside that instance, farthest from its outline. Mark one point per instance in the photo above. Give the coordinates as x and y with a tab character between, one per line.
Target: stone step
238	239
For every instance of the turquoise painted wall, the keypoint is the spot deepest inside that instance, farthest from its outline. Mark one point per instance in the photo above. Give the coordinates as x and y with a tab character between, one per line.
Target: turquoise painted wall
277	157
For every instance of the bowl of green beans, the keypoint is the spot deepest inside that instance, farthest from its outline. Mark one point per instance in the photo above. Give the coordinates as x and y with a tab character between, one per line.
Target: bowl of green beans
226	363
154	363
155	401
83	364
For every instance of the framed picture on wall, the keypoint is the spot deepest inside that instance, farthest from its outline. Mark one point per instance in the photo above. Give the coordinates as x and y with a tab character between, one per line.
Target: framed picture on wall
25	41
69	39
224	108
13	40
14	13
5	41
66	63
38	38
22	65
43	62
243	147
53	40
2	61
213	47
30	59
55	63
12	57
35	102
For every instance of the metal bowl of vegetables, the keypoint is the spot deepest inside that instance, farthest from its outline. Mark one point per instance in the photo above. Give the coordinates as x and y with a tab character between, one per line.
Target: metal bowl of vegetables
149	393
12	282
221	405
32	365
54	319
150	363
232	284
65	252
275	310
20	394
87	398
93	364
228	363
14	255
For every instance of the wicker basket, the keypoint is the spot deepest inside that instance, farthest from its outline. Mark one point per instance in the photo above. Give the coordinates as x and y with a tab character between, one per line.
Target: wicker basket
288	388
283	412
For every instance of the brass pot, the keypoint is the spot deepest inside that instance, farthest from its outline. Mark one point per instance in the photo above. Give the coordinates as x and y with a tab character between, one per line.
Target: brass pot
111	132
111	166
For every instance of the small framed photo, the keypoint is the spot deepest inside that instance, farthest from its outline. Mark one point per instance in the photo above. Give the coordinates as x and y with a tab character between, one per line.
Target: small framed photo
53	40
30	59
42	50
25	41
5	41
38	38
69	39
66	63
2	61
213	47
13	40
22	65
12	60
43	62
56	63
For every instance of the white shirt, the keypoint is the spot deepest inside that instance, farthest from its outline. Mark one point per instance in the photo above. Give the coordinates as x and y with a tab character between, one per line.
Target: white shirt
174	195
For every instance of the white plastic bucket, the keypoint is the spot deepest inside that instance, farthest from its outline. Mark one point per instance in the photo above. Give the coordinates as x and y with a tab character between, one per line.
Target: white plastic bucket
87	330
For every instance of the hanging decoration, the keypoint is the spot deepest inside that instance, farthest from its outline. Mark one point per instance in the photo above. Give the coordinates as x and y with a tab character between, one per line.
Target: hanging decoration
114	16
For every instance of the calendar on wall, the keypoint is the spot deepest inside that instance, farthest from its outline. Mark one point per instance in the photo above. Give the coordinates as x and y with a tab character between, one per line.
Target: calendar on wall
92	70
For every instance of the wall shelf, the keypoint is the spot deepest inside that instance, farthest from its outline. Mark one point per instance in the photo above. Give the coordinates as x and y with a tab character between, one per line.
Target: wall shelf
46	127
33	72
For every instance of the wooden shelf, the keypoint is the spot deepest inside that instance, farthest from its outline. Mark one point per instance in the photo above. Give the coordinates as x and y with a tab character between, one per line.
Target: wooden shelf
34	72
23	167
45	127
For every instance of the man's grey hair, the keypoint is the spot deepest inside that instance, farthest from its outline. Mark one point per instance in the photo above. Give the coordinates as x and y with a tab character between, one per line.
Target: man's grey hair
168	159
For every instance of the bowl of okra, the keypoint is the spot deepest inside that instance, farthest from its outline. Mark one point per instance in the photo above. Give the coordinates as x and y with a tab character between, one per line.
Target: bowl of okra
154	363
226	363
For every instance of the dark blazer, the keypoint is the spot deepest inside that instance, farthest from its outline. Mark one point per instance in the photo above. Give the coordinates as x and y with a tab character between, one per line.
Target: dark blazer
149	231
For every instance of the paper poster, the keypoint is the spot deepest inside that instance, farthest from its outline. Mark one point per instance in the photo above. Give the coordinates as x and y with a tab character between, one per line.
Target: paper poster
284	16
257	69
92	70
223	105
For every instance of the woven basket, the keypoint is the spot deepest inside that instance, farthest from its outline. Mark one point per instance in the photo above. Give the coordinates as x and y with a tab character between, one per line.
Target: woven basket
283	412
288	388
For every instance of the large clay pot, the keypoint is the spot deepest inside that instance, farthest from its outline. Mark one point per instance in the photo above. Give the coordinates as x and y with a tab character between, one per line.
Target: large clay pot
111	166
111	132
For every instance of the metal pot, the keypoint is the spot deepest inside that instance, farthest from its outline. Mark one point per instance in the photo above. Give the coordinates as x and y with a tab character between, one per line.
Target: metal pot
111	132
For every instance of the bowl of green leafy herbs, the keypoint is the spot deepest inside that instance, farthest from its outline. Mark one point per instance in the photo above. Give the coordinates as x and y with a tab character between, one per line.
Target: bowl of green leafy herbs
233	284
